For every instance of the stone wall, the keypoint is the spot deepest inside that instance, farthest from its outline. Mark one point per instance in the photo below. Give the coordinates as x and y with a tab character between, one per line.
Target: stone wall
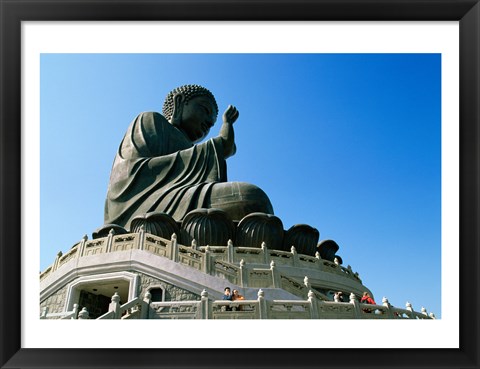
172	293
56	301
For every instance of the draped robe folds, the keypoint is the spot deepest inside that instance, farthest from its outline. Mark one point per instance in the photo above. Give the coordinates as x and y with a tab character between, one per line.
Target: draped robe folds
157	168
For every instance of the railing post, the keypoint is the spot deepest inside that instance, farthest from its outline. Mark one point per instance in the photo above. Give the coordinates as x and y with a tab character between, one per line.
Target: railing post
115	306
275	275
83	314
207	260
75	311
386	303
262	305
319	261
205	312
293	250
109	241
81	246
306	282
356	306
57	259
44	313
409	307
174	248
265	252
141	238
243	274
432	315
424	311
147	300
313	305
230	251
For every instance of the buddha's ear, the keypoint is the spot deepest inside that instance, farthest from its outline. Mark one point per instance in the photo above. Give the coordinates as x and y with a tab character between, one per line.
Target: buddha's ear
178	101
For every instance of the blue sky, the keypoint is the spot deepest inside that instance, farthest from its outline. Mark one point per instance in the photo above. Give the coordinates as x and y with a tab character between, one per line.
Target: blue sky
348	143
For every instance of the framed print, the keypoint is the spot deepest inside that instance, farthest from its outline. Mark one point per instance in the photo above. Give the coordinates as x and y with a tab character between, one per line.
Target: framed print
412	68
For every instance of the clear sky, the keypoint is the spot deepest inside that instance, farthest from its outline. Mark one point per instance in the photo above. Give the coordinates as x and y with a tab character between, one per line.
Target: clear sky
347	143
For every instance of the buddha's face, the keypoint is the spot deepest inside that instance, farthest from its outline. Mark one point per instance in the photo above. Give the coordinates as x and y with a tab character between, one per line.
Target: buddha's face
198	116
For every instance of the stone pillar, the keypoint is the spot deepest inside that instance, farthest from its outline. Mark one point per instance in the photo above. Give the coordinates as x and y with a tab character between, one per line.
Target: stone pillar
276	282
409	307
141	238
389	312
205	312
174	248
147	300
81	246
230	251
306	282
207	260
356	306
111	232
44	313
83	314
266	254
424	311
57	260
313	305
262	305
243	274
75	311
293	250
115	306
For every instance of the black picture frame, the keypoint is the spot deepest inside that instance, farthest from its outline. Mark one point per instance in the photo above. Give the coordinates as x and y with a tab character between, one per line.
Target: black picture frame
12	13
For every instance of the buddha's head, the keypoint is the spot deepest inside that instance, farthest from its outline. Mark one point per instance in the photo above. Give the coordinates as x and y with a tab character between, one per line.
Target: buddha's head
192	109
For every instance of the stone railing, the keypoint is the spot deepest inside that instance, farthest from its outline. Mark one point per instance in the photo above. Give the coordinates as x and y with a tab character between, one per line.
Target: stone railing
312	308
214	260
74	314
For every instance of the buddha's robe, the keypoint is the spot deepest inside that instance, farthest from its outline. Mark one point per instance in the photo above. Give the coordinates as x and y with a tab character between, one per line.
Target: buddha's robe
157	168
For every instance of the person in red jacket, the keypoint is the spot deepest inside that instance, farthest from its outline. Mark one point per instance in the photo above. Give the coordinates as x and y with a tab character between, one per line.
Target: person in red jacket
367	299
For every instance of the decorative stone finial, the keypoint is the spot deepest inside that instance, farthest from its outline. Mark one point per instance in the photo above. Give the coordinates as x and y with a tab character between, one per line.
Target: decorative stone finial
85	237
116	297
306	282
242	263
204	293
311	294
174	236
83	314
230	243
353	297
261	293
111	232
272	264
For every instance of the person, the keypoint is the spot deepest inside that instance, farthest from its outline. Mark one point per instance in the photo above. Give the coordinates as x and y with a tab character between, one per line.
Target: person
237	297
367	299
338	297
161	165
228	296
